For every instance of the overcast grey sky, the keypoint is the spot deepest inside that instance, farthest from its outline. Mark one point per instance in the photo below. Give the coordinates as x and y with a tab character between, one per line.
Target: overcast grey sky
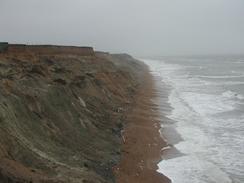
139	27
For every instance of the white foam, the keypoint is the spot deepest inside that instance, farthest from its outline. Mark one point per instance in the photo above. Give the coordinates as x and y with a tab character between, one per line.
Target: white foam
205	104
220	77
232	95
192	169
230	83
213	145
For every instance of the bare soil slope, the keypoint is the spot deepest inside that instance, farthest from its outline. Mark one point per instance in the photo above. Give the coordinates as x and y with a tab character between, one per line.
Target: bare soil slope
61	115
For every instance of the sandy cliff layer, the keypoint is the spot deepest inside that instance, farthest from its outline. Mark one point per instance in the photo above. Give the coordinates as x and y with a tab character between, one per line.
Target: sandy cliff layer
61	115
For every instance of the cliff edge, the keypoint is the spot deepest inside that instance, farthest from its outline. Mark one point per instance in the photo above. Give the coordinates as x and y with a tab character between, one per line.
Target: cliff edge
62	111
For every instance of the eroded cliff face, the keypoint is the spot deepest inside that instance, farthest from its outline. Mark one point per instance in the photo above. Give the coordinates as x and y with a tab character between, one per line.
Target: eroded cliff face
61	115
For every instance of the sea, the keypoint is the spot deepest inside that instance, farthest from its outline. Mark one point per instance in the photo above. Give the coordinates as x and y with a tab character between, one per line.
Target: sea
204	121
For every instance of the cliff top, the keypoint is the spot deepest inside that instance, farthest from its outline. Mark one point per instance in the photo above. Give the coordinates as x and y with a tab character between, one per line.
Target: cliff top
6	48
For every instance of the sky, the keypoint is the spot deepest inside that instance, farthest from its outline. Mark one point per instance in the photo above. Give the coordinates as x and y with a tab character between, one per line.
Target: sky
138	27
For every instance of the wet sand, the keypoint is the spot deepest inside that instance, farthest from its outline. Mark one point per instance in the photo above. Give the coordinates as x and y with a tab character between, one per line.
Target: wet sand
141	151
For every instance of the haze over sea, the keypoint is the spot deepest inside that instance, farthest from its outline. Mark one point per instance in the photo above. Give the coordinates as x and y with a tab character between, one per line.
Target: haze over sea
206	94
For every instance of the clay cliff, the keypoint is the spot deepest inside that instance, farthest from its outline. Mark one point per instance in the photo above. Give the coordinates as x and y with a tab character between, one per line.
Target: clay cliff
61	113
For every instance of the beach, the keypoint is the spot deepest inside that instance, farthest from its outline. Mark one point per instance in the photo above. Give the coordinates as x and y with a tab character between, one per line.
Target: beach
142	143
